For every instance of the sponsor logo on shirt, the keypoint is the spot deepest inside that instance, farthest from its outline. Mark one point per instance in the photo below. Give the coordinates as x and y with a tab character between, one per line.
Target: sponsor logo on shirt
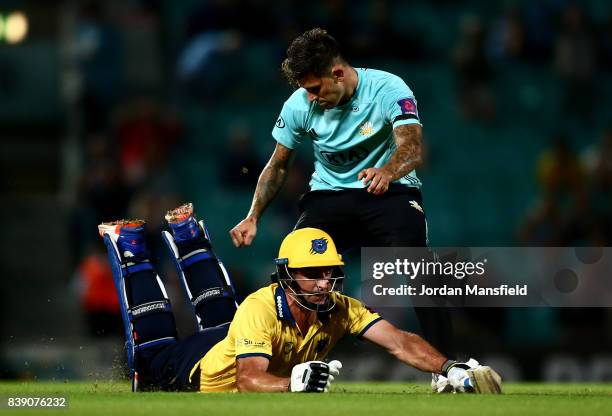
250	343
345	158
280	123
279	306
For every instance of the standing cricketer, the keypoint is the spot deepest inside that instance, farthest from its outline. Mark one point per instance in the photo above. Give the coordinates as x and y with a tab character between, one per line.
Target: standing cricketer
366	134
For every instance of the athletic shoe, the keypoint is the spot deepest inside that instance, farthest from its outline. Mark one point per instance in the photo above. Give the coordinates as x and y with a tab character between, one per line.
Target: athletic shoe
128	235
183	224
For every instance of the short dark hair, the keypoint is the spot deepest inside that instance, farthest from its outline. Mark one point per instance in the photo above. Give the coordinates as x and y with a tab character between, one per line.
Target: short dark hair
311	53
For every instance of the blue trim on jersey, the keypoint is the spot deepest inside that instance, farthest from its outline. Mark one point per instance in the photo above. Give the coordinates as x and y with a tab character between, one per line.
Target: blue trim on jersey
368	326
254	354
282	307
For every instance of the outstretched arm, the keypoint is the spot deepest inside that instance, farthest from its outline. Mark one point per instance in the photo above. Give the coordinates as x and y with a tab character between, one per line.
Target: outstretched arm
407	156
407	347
418	353
252	375
269	183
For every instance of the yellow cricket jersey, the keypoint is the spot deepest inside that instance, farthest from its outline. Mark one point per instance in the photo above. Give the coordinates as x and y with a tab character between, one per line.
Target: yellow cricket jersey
263	326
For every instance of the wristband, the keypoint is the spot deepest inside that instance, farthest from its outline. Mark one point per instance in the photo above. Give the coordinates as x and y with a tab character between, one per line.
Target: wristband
448	364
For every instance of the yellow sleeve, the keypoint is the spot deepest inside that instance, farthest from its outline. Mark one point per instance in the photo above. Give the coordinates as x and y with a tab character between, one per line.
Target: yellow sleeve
254	325
360	317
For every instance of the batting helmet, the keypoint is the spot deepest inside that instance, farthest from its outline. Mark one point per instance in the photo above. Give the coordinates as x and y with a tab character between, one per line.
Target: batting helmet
303	248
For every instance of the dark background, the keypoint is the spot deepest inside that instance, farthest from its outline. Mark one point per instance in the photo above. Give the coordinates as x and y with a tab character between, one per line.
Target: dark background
112	109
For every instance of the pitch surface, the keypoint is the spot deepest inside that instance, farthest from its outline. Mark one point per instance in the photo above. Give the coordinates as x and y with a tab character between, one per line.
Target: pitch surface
369	399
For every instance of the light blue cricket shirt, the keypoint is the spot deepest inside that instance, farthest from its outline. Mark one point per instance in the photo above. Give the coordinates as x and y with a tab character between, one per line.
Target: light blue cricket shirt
353	136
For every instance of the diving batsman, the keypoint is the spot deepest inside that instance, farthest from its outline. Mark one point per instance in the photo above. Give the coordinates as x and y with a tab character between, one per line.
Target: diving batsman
277	340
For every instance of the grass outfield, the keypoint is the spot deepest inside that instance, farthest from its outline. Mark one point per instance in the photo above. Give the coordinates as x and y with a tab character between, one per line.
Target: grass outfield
108	398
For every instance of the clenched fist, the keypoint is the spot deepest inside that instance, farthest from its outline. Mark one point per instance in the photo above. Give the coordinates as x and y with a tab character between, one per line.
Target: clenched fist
244	232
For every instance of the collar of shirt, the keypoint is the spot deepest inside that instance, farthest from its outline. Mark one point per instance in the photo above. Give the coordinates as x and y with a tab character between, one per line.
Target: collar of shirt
283	312
351	102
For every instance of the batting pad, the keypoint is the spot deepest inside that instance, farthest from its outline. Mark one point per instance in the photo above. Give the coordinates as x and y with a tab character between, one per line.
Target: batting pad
145	309
204	279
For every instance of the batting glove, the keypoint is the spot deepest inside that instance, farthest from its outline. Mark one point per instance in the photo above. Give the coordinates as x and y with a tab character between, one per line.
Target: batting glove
314	376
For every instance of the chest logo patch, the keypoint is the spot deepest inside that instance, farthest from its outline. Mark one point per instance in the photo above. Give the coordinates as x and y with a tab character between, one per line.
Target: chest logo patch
366	129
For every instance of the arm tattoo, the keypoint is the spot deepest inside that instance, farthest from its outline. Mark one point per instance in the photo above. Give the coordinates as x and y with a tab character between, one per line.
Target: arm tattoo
270	180
407	155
